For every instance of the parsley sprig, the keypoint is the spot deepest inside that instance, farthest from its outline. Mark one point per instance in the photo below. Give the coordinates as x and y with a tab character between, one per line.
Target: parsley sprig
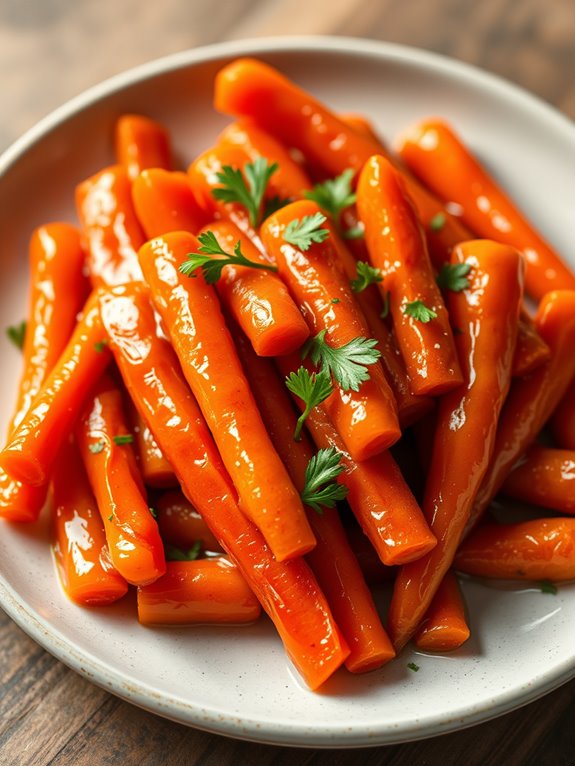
121	439
321	489
313	388
419	311
334	195
453	276
346	364
174	553
17	334
247	191
303	233
366	275
212	267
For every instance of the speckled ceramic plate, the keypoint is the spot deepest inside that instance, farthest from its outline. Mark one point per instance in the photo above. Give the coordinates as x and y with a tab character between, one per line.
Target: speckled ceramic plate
237	681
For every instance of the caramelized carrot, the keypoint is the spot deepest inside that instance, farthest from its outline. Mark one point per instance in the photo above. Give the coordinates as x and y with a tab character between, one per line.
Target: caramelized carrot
544	477
563	420
193	319
397	247
81	552
531	350
258	300
34	443
165	202
487	312
287	590
181	525
155	469
435	154
58	288
540	549
203	592
142	143
444	627
111	229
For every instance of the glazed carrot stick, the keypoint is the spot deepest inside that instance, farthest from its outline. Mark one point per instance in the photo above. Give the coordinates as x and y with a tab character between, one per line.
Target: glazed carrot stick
533	398
540	549
531	350
487	312
81	552
563	420
332	560
258	300
141	143
155	469
104	441
444	627
193	319
34	444
58	288
436	154
165	202
544	477
287	590
373	570
207	591
111	229
180	523
397	247
361	125
366	419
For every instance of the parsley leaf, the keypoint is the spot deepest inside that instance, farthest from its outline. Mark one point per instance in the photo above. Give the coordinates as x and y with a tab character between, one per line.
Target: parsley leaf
356	232
437	222
334	195
17	334
178	554
302	234
546	586
366	275
313	388
100	345
454	277
321	490
97	447
413	666
153	512
235	189
123	439
385	310
212	267
347	364
418	310
273	204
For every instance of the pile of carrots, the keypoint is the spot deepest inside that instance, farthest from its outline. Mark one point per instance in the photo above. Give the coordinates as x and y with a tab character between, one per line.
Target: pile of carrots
292	373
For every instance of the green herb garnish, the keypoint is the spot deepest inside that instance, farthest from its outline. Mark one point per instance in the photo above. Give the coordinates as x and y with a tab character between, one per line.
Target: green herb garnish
303	233
321	489
17	334
346	364
366	275
123	439
212	267
178	554
419	311
312	388
437	222
546	586
235	189
454	277
334	195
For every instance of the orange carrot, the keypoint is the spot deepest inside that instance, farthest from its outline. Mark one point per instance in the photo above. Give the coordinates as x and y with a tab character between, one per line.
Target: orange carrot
192	316
531	350
444	627
165	202
563	420
141	143
207	591
287	590
544	477
180	523
82	555
155	469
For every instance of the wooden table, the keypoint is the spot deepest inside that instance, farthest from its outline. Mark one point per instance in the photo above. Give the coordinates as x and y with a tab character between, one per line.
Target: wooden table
51	50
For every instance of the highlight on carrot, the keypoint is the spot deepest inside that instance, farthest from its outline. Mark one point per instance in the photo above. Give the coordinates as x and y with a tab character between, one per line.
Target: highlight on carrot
444	627
152	464
544	477
141	143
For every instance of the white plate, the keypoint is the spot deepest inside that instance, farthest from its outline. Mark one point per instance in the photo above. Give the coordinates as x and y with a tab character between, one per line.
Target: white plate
237	682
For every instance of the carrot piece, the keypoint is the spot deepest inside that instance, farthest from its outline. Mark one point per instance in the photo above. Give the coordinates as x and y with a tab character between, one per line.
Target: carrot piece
207	591
540	549
34	443
397	247
444	627
153	466
332	560
531	350
58	288
373	569
192	316
544	477
181	525
81	552
111	229
563	420
361	125
487	313
533	398
142	143
165	202
436	154
258	300
287	590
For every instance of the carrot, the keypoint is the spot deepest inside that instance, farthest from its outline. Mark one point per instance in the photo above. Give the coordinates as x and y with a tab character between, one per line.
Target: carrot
531	350
444	627
533	398
141	143
436	154
332	560
104	442
153	466
192	316
287	590
397	247
258	300
57	290
540	549
372	568
544	477
487	313
164	202
563	419
34	444
207	591
361	125
180	523
111	229
81	552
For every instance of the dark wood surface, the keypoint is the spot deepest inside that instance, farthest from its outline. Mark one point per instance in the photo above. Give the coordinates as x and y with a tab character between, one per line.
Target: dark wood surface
50	50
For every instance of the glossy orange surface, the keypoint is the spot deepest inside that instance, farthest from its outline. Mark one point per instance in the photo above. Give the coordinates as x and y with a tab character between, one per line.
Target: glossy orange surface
544	477
164	202
141	143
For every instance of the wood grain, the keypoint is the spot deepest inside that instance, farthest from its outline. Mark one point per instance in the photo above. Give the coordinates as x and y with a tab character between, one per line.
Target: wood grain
50	50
